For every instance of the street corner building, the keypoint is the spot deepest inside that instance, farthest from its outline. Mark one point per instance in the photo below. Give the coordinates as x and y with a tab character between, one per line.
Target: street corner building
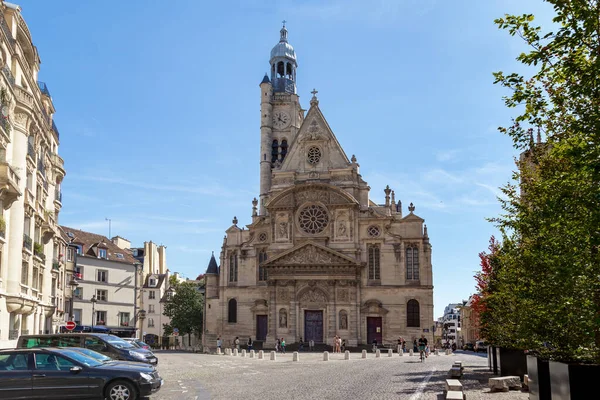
319	259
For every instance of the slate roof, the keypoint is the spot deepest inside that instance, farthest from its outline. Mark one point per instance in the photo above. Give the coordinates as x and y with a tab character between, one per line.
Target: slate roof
160	278
212	266
265	79
91	242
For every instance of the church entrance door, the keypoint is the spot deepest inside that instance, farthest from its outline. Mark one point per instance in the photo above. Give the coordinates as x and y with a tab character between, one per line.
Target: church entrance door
313	326
262	322
374	330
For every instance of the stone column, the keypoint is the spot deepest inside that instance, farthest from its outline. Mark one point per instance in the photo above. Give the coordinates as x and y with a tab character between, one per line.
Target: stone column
271	337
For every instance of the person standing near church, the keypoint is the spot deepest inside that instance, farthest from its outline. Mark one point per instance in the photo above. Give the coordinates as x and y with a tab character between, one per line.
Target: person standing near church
237	343
249	343
283	345
219	343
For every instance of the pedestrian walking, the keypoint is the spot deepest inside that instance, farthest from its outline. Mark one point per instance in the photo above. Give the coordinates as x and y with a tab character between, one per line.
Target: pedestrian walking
278	346
374	345
343	345
219	343
283	345
300	345
237	343
249	343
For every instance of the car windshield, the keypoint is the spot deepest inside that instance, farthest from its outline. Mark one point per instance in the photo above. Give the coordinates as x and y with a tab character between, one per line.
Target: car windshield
93	354
119	343
80	358
141	344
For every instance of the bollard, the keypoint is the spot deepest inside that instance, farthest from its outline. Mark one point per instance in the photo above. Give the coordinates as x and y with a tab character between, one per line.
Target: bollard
251	353
364	354
437	352
219	351
346	355
243	353
378	353
296	357
235	352
261	355
325	356
273	356
390	353
228	351
410	353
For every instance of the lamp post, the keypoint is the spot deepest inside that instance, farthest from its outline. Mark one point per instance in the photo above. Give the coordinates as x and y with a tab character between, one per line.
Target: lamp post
142	316
73	284
93	301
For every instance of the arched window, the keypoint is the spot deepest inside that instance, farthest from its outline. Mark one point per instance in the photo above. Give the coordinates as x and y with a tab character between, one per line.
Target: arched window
280	69
413	318
412	263
233	267
150	322
232	311
274	151
284	149
373	261
262	271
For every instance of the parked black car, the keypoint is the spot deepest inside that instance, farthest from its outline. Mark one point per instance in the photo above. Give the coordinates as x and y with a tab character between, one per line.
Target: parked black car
109	345
469	346
51	373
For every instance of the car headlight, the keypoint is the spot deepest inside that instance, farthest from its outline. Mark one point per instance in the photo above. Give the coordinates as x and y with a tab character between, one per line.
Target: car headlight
145	376
137	355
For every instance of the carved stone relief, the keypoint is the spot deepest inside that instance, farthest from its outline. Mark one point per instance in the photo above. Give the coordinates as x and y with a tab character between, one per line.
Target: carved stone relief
310	255
343	295
313	195
313	296
282	227
283	296
21	119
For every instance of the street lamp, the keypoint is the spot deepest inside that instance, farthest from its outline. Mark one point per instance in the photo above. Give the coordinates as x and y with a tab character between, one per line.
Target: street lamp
142	316
93	300
73	284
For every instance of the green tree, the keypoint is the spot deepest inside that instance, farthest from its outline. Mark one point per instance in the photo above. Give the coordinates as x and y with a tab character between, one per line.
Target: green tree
549	259
186	309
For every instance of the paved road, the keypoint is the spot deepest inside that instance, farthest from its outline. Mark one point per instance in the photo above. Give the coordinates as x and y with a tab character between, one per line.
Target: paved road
202	377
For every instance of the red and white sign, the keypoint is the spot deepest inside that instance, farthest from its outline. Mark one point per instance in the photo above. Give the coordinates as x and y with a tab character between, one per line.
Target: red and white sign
70	325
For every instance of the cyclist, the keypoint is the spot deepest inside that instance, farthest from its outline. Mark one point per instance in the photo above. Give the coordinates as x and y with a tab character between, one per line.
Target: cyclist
422	345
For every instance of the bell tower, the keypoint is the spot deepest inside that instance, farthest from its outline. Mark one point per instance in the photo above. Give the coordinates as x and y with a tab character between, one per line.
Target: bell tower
281	113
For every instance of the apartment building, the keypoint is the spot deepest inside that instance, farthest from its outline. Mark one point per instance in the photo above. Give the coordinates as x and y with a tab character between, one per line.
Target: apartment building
452	324
107	282
470	322
156	293
32	276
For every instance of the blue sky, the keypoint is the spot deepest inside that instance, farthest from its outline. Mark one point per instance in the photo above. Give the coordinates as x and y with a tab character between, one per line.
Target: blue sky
158	110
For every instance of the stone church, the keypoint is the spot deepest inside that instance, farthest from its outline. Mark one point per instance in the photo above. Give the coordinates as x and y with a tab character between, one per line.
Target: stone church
320	258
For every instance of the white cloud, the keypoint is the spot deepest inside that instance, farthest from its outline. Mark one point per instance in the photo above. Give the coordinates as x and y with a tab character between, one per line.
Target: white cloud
447	155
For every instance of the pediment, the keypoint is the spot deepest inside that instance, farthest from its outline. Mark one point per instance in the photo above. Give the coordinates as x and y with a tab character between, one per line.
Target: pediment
312	254
302	193
413	218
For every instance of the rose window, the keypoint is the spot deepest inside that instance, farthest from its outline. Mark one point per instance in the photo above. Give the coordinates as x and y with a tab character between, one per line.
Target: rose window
313	219
314	155
373	231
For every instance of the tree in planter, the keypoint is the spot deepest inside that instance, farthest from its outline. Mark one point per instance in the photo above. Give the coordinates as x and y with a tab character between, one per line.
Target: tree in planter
552	218
38	248
186	309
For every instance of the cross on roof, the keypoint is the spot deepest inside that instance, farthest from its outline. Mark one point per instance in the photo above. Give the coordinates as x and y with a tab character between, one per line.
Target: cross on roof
314	92
283	22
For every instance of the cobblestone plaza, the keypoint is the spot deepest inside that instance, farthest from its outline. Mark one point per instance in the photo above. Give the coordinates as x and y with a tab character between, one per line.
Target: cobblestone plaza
200	377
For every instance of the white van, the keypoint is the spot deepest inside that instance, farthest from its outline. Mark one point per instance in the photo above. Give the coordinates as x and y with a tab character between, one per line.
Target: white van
481	345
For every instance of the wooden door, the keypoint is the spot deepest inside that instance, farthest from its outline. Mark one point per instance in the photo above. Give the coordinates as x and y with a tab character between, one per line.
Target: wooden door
262	323
374	330
313	326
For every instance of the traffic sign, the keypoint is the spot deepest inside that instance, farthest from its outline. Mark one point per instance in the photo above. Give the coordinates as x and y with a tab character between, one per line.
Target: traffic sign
70	325
175	330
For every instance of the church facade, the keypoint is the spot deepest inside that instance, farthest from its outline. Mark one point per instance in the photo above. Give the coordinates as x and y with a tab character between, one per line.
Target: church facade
320	258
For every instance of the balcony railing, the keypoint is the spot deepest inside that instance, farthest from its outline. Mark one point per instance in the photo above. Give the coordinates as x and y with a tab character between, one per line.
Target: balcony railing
27	242
8	74
44	88
30	150
55	265
38	251
13	334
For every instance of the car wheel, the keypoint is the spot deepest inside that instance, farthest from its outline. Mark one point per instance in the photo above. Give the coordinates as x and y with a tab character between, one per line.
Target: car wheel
120	390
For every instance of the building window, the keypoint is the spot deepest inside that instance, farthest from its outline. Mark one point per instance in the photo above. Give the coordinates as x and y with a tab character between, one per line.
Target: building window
78	293
150	322
77	316
233	267
412	263
79	248
373	261
262	271
100	317
101	295
150	308
124	319
25	274
102	276
78	274
274	151
70	256
232	311
34	278
152	295
102	253
412	314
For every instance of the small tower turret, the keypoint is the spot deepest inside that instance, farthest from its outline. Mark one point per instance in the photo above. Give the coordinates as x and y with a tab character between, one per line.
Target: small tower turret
212	278
283	65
